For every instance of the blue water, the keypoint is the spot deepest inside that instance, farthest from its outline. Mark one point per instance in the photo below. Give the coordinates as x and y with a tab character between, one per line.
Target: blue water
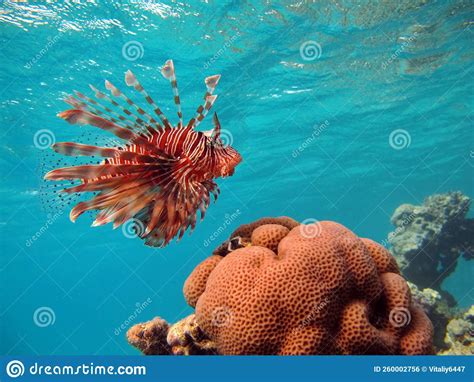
376	69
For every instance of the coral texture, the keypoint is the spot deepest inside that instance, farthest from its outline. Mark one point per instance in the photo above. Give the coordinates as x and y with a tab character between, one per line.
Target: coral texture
157	337
460	335
186	338
150	337
437	309
429	239
241	237
277	287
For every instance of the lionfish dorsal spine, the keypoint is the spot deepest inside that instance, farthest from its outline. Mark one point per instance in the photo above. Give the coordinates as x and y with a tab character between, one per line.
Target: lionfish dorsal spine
131	80
136	124
216	132
93	105
167	71
138	119
83	117
202	110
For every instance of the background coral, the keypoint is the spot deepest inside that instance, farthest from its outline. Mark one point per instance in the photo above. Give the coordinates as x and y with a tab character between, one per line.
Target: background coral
150	337
315	289
460	334
429	239
437	309
157	337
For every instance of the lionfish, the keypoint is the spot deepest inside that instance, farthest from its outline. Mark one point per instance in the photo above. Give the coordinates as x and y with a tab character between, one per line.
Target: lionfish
161	176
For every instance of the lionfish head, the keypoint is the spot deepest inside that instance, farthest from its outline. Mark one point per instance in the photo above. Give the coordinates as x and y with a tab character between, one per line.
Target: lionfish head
229	159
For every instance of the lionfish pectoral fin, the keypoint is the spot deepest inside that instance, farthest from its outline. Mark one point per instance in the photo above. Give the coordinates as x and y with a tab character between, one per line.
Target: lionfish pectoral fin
90	172
154	216
175	209
125	210
95	223
79	149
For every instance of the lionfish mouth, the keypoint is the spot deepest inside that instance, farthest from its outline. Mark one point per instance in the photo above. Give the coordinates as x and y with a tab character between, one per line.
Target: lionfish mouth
230	169
226	173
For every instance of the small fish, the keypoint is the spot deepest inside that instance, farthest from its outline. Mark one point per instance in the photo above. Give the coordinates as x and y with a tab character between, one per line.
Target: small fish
161	176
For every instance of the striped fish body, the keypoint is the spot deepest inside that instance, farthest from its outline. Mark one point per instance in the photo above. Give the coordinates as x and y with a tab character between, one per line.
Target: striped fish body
162	176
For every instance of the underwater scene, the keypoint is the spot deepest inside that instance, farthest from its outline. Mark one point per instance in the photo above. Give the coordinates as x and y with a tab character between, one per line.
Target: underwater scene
237	178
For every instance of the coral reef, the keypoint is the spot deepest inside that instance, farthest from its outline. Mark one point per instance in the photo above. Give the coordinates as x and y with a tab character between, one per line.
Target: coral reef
157	337
241	237
437	309
429	239
277	287
150	337
460	335
186	338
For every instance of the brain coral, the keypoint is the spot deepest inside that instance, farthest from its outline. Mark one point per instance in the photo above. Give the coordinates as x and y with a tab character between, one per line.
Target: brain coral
277	287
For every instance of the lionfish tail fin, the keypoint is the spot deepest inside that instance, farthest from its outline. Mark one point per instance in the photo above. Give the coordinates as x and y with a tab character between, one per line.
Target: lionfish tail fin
168	72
